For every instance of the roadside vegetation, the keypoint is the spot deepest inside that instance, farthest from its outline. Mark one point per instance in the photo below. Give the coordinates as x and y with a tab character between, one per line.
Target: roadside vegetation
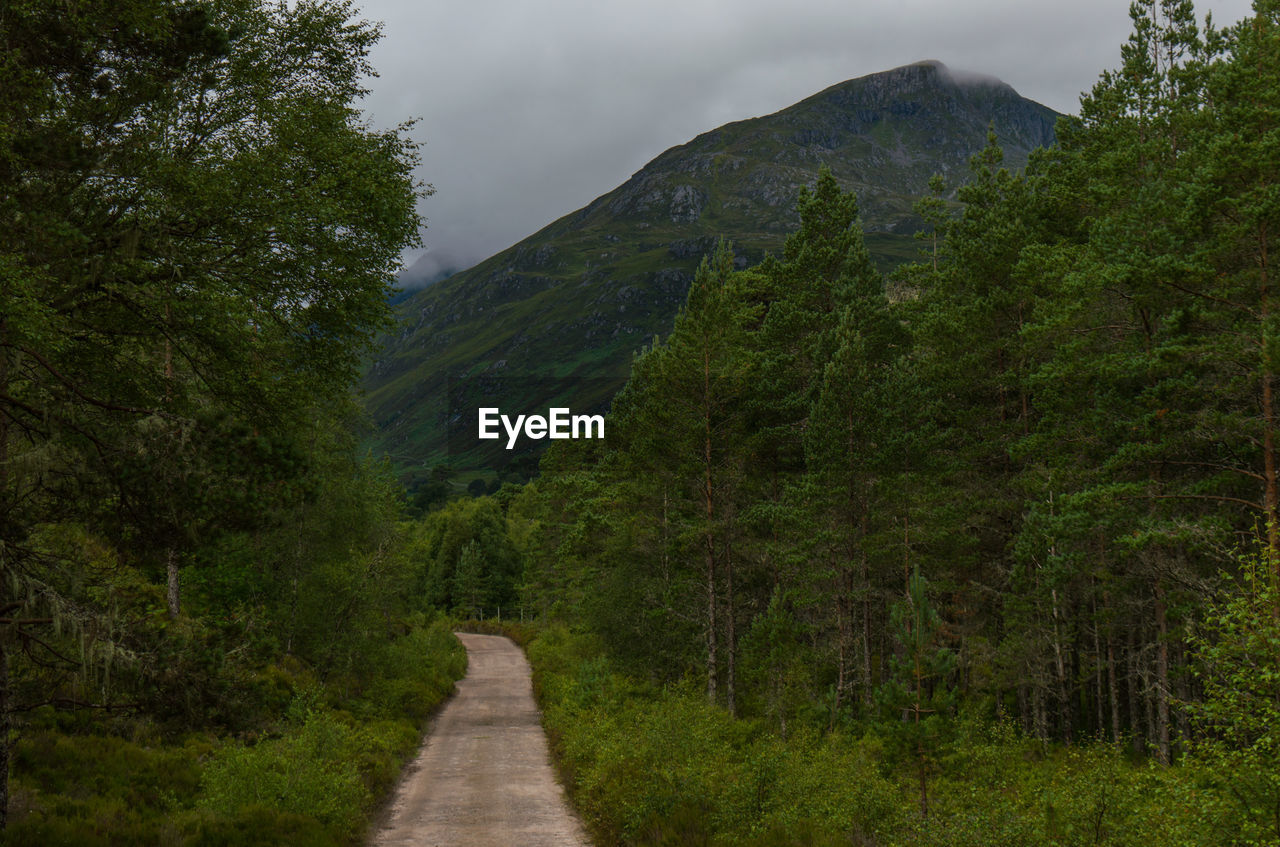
311	770
650	764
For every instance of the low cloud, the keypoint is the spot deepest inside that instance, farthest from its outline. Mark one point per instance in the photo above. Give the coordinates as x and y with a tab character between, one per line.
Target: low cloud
530	111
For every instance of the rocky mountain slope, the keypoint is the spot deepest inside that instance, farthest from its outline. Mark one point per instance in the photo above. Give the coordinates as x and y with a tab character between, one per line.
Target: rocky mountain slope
560	314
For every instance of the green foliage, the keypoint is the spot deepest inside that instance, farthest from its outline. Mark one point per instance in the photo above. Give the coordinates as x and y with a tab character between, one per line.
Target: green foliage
259	826
309	771
1064	415
917	693
469	584
89	789
924	659
197	233
197	236
658	766
996	788
1239	652
310	779
777	665
186	198
463	557
411	675
661	766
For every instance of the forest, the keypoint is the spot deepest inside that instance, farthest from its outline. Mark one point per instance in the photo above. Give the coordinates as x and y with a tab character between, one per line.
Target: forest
209	621
1025	484
983	551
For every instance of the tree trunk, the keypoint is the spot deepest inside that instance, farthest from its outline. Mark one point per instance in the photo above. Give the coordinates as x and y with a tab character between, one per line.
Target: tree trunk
171	571
867	678
1114	690
1162	678
1149	701
6	726
709	541
171	560
844	628
6	706
1063	693
924	785
1041	719
844	636
1134	691
1099	696
919	675
1184	695
840	680
867	698
712	629
1268	412
731	635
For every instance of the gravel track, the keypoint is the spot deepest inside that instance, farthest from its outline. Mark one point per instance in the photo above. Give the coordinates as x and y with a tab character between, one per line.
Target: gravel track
483	778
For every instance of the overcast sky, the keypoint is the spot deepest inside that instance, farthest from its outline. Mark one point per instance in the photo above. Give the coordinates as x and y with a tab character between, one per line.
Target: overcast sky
530	110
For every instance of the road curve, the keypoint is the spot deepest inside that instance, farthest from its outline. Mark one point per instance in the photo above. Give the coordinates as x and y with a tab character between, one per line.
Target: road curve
483	778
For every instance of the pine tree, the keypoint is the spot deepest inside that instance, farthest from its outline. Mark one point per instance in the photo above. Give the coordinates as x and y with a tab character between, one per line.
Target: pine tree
470	585
918	691
684	430
858	457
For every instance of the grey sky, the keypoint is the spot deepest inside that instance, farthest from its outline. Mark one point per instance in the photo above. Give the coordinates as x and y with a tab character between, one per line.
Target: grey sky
529	110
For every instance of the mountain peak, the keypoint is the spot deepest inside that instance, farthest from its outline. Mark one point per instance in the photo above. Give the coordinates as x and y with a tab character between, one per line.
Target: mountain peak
929	76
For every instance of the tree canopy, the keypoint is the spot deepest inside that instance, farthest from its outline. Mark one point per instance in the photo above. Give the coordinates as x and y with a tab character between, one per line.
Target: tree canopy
198	232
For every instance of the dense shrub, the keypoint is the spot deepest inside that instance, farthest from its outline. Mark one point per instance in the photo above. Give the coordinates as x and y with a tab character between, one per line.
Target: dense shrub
309	771
309	780
660	766
651	766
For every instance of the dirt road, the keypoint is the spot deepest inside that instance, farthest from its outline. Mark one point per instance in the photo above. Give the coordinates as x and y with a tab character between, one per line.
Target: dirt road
484	777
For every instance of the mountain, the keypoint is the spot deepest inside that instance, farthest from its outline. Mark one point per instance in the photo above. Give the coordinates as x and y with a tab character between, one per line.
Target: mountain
411	281
560	314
